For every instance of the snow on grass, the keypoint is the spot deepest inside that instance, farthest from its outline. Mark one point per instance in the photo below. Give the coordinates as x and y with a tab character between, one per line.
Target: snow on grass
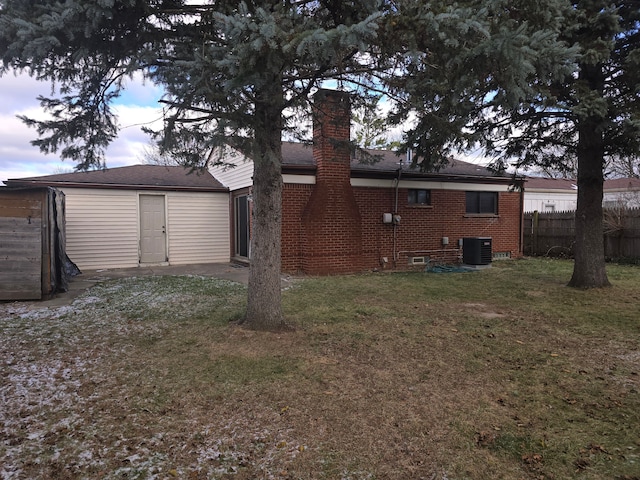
66	380
65	387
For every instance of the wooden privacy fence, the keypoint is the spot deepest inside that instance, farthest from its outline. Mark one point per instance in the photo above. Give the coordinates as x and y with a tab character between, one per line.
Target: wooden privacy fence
553	233
32	243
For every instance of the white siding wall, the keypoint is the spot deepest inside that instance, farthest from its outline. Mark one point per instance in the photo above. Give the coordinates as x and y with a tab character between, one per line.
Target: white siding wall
566	201
102	228
543	201
627	198
198	227
234	178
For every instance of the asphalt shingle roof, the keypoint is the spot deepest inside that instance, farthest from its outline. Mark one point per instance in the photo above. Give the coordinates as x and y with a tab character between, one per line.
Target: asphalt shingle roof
550	183
628	183
295	155
301	155
542	183
150	176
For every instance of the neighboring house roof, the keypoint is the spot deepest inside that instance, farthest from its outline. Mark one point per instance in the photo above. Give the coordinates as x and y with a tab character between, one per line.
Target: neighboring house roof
622	184
140	177
547	184
299	157
568	184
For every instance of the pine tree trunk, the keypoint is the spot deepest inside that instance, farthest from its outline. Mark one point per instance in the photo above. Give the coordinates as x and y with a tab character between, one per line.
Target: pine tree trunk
589	270
264	309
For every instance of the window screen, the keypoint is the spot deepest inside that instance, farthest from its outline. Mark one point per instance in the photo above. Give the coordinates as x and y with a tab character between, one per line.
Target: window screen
419	197
482	202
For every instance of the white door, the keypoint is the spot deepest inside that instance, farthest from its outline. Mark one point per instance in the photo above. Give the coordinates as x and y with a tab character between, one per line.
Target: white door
153	232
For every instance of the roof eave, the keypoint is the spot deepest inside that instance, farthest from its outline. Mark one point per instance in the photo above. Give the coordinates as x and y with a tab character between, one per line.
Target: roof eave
299	169
172	188
549	190
390	174
439	177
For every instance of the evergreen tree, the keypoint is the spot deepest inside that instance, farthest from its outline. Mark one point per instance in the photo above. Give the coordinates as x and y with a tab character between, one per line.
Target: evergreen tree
237	74
232	72
546	83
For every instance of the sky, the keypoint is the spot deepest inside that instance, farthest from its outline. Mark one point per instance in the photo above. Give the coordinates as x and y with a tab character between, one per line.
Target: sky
18	158
137	107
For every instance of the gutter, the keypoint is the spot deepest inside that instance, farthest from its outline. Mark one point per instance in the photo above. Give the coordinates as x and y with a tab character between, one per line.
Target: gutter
393	175
113	186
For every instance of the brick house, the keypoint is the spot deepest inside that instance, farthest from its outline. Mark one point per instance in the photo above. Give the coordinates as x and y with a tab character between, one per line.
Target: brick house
342	215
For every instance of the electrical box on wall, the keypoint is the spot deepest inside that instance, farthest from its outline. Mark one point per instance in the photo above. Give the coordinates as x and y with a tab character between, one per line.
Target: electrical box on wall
387	218
445	240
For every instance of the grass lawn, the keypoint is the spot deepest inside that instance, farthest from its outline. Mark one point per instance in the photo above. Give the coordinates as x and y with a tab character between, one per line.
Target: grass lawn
503	373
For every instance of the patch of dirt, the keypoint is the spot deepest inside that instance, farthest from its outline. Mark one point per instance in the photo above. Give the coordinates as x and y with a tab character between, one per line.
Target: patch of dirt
482	310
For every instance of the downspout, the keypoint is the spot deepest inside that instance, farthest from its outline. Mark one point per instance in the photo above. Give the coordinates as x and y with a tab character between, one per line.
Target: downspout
521	228
395	212
395	209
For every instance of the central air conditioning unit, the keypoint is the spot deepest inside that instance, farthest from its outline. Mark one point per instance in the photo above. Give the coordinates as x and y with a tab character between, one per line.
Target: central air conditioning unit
476	250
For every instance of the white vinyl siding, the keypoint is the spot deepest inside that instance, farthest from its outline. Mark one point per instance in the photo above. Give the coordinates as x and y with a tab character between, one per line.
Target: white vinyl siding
234	178
542	201
622	198
102	228
198	227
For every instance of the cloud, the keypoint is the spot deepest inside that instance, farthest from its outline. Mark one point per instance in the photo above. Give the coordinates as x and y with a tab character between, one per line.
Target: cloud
18	96
139	91
20	91
137	106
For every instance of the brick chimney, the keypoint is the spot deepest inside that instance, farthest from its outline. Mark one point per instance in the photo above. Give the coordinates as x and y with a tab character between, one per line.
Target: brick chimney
332	231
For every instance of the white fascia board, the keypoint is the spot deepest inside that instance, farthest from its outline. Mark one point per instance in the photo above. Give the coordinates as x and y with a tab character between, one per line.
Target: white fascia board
551	191
389	183
299	179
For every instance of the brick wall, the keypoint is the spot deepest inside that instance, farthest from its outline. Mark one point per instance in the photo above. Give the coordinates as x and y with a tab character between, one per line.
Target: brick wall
332	227
294	200
421	229
331	233
419	232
